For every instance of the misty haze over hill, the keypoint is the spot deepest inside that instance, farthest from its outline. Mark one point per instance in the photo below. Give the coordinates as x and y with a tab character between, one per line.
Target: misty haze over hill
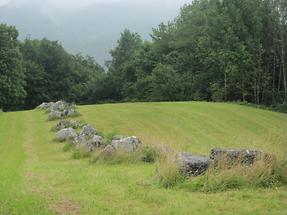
87	26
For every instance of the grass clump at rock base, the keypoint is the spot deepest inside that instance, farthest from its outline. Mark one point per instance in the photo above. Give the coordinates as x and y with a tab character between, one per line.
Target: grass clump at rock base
147	154
168	171
68	147
262	174
80	153
268	171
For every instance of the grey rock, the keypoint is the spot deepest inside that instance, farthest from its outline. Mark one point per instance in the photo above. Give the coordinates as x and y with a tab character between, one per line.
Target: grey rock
54	115
97	141
108	150
44	105
217	154
88	143
62	106
250	156
88	130
67	124
193	164
59	106
80	140
231	157
58	109
65	134
127	144
118	137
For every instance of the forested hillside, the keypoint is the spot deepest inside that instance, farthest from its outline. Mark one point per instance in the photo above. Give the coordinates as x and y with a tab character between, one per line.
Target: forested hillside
215	50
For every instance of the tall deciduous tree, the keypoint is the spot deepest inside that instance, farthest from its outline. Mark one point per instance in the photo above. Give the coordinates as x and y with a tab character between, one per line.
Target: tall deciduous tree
122	65
11	69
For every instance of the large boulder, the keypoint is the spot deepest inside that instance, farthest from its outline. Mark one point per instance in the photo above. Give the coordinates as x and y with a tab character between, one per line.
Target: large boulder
230	157
88	139
193	164
251	156
108	151
62	106
59	106
88	130
80	140
44	105
128	144
97	140
89	143
54	115
65	134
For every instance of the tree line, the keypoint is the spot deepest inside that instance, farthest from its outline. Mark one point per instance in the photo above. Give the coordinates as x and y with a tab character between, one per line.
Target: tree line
214	50
34	71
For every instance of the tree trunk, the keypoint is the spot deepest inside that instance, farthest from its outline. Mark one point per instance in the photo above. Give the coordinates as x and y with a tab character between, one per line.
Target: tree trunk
284	72
243	89
279	78
273	78
225	85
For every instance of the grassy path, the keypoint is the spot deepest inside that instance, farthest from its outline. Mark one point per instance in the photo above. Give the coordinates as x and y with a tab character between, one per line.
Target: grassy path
14	198
37	177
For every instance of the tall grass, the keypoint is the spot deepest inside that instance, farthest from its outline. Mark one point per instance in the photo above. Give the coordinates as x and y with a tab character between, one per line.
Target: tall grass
168	171
147	154
270	170
80	153
261	174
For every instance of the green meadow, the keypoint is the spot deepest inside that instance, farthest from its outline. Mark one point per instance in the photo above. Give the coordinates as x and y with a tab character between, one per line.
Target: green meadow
37	177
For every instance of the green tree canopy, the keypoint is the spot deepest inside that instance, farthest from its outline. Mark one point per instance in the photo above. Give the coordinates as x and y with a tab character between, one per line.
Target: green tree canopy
11	69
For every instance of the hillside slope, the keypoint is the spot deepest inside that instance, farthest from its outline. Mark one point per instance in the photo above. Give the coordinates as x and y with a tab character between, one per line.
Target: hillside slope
190	126
37	177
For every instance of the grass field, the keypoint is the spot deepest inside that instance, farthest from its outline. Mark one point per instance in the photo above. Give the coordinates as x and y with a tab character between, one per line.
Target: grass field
37	177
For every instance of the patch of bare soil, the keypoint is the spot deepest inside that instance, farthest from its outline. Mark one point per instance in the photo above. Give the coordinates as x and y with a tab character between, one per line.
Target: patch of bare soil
65	207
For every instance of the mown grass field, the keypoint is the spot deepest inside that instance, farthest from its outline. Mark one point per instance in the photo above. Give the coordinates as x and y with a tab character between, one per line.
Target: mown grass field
37	177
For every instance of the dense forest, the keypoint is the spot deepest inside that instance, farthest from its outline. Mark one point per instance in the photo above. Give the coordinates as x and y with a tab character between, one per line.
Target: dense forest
215	50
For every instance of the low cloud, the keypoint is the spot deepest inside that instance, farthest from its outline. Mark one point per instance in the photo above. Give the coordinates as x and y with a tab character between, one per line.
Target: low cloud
50	5
55	8
4	2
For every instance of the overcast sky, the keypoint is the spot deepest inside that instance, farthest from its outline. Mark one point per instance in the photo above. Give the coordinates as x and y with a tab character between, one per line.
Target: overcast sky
71	5
87	26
